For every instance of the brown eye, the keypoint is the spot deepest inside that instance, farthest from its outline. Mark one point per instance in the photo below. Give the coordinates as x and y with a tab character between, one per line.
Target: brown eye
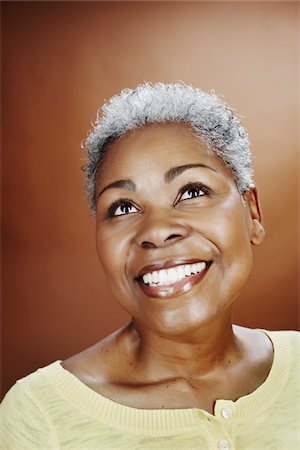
192	192
123	209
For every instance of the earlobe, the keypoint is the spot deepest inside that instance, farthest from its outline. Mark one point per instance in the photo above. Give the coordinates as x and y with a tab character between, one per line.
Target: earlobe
257	231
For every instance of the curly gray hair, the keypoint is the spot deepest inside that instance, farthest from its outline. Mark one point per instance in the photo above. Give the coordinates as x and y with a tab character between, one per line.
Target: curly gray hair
210	118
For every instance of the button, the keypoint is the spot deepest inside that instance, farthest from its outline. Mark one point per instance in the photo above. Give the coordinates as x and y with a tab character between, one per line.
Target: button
223	445
226	413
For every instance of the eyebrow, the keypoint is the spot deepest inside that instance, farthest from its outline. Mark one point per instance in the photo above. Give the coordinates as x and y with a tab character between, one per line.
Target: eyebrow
176	171
121	184
129	185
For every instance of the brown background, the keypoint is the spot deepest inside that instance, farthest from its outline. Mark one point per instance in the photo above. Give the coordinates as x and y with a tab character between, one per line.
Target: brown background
60	61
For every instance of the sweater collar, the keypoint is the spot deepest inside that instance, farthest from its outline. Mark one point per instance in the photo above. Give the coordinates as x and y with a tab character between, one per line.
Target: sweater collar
173	421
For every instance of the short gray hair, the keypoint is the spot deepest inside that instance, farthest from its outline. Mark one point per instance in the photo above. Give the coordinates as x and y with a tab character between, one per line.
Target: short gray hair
213	121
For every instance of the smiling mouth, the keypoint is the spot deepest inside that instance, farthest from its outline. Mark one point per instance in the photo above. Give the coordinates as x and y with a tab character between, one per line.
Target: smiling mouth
173	281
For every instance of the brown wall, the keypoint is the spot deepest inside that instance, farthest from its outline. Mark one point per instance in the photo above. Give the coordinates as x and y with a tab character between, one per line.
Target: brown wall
60	60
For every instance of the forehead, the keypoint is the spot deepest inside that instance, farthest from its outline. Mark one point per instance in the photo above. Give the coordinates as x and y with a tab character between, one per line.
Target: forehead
156	148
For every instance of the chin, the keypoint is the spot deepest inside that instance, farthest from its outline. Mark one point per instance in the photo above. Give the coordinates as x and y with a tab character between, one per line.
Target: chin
180	319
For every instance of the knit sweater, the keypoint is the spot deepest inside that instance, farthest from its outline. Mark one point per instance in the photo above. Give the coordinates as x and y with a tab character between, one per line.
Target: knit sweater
52	409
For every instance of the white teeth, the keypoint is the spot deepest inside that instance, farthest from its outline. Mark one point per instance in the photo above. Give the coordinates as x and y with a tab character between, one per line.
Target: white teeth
180	272
170	276
162	276
146	278
187	270
155	277
200	266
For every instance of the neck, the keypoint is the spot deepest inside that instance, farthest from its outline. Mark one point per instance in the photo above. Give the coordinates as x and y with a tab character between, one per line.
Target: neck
208	349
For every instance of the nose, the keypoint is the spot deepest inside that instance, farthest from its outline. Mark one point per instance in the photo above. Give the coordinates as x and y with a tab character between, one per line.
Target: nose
161	231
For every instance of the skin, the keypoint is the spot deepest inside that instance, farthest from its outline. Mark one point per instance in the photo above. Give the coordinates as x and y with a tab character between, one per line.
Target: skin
179	351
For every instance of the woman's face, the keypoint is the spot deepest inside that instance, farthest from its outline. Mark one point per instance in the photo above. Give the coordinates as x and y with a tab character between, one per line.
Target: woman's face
173	233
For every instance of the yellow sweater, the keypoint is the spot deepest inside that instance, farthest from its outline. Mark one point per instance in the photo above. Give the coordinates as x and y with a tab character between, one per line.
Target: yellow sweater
52	409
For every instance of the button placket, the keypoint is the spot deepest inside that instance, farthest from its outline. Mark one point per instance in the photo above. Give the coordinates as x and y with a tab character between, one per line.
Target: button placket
226	413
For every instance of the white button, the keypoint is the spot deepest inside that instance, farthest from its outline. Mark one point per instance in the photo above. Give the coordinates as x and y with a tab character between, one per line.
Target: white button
226	413
223	445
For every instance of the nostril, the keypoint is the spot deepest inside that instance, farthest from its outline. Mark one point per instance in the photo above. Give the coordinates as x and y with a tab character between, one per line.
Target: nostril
147	244
173	236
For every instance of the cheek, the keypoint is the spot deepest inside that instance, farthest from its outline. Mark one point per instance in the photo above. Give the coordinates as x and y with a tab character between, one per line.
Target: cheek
112	250
231	227
107	251
227	230
235	252
226	227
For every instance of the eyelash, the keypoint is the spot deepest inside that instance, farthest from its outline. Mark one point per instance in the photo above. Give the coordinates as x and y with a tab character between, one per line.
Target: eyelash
193	187
127	202
115	205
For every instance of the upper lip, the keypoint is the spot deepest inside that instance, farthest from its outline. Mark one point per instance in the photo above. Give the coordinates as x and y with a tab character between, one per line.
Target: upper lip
167	264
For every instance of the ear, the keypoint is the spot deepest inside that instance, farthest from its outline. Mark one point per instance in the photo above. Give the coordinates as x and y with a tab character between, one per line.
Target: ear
257	231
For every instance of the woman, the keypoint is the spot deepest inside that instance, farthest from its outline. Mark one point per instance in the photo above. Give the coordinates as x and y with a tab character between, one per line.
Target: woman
169	179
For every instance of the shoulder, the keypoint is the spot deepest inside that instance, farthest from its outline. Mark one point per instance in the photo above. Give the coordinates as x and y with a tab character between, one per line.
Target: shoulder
289	337
24	418
30	386
255	342
263	346
91	364
286	344
262	336
104	361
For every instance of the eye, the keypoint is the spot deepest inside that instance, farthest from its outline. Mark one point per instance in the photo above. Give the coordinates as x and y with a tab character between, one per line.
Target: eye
125	208
121	208
192	191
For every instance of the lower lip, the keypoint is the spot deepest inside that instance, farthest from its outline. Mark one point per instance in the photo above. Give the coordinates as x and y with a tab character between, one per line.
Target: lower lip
174	289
